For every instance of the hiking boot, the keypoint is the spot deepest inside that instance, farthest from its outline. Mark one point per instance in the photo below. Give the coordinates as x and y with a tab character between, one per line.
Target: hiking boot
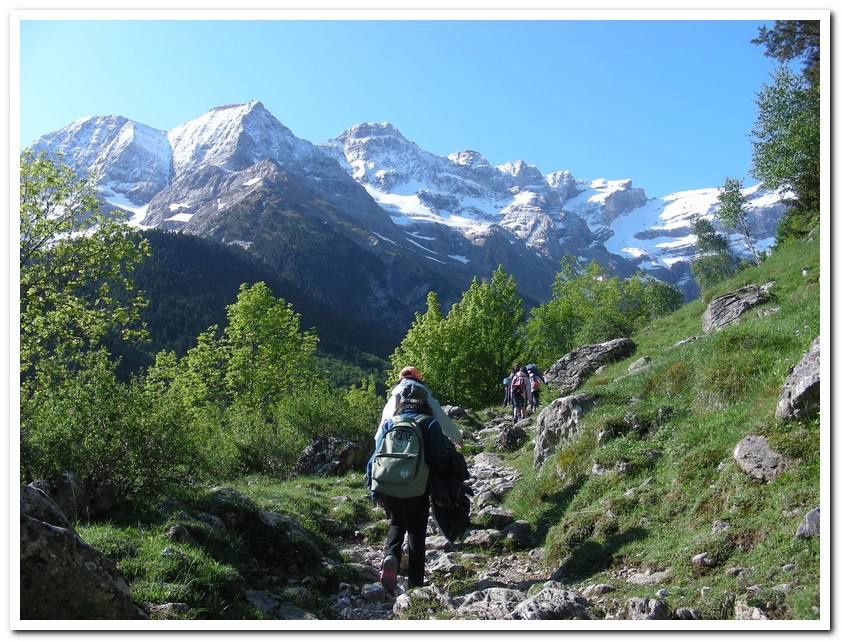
388	573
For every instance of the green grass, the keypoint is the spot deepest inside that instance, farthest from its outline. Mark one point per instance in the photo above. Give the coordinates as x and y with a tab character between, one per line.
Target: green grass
674	428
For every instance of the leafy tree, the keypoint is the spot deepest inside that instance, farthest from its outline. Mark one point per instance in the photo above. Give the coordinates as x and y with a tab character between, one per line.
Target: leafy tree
267	352
462	356
76	265
714	262
731	212
786	135
792	39
424	346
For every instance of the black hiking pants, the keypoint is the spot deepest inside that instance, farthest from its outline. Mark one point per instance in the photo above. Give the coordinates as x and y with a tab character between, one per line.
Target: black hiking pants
408	515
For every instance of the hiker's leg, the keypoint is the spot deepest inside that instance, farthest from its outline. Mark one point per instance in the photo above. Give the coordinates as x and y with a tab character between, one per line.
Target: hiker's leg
419	507
396	527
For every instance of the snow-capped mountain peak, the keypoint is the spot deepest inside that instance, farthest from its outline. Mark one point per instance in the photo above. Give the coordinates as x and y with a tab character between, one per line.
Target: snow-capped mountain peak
233	137
125	157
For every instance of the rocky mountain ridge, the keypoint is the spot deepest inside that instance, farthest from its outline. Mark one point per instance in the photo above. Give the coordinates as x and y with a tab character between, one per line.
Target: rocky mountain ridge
382	208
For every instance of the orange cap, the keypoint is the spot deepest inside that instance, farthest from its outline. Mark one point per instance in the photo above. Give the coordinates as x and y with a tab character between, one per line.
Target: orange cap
411	372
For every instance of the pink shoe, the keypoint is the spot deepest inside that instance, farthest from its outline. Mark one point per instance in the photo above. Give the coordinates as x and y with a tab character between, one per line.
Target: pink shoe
388	573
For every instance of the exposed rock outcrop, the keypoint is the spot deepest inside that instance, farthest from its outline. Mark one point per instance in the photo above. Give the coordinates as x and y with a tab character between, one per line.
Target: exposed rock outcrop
756	458
728	308
61	576
552	603
800	396
330	456
810	525
574	368
559	421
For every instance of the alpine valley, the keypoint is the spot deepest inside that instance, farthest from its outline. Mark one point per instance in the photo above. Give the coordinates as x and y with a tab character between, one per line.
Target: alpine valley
362	226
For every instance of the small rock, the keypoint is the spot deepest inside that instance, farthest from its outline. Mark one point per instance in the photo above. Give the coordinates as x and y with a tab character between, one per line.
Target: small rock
811	524
597	589
705	590
720	526
639	364
788	567
646	609
687	614
734	571
704	560
782	587
178	533
166	610
686	341
482	538
373	592
598	470
745	612
756	458
662	593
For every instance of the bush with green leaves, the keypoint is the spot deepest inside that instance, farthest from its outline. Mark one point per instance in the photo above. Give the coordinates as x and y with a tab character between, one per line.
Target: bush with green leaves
130	435
589	306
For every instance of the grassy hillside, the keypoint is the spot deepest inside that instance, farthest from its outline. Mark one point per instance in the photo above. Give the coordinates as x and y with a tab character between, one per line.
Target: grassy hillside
691	407
671	489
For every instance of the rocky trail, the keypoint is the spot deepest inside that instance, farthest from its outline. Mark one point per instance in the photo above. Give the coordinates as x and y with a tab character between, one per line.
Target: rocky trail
467	579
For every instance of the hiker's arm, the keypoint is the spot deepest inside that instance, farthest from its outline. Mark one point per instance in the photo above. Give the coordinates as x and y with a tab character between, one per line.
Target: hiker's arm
388	411
449	427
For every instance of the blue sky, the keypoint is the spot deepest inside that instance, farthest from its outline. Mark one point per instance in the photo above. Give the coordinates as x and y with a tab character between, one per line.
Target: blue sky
668	104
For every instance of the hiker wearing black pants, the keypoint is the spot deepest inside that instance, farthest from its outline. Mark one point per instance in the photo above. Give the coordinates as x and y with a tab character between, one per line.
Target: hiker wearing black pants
407	516
410	449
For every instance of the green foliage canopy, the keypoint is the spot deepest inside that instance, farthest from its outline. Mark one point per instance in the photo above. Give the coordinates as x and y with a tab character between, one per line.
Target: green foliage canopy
463	355
75	269
588	306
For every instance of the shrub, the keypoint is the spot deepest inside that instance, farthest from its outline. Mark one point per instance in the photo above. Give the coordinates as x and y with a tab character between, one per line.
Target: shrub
108	432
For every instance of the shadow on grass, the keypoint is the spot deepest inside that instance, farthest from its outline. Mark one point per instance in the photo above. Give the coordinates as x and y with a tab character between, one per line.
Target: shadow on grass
591	557
558	503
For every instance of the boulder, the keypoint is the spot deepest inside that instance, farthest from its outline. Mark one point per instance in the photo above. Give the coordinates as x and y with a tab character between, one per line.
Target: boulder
559	421
37	504
61	576
511	437
454	411
756	458
800	396
482	538
570	371
495	517
646	609
552	604
273	607
330	456
728	308
687	614
810	525
233	508
492	603
68	494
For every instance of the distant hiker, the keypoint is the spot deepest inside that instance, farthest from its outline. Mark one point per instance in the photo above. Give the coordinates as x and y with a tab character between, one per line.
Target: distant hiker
410	450
410	374
537	381
520	392
506	383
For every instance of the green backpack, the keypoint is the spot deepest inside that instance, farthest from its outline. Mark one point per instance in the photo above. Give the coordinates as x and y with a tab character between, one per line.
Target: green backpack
399	468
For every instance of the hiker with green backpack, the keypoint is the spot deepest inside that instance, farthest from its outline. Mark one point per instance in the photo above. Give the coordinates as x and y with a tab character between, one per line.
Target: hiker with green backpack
410	448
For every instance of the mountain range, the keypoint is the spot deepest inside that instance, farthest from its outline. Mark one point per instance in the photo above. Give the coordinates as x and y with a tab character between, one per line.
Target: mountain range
368	222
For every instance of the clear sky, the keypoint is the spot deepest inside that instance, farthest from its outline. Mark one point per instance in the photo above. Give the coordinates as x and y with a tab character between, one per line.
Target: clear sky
668	104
